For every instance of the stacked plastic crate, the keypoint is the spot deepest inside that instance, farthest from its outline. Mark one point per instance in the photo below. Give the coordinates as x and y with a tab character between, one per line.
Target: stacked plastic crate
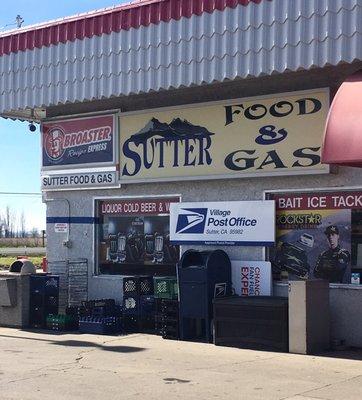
138	304
61	323
44	297
99	317
167	307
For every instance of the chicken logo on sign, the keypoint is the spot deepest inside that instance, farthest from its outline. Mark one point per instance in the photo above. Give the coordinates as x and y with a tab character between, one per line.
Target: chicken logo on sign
54	140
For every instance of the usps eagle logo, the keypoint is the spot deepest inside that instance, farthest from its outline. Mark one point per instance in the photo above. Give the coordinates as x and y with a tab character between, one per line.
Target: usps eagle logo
191	220
54	143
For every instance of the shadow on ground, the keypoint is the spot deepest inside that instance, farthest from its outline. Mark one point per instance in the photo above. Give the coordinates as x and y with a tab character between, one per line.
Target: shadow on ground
80	343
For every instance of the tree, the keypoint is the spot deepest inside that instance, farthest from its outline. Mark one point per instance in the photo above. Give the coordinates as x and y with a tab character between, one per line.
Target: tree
22	225
9	222
34	233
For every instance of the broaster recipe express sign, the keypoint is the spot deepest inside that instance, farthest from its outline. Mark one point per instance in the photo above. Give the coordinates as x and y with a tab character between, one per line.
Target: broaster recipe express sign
248	223
85	141
279	134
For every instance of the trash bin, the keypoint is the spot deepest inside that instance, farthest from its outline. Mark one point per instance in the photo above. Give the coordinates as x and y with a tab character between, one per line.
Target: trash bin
202	276
22	267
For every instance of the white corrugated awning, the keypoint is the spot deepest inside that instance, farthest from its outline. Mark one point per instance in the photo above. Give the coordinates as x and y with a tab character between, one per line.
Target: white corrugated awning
159	45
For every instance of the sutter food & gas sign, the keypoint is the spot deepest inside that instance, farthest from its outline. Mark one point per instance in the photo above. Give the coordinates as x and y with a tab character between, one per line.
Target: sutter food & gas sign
274	135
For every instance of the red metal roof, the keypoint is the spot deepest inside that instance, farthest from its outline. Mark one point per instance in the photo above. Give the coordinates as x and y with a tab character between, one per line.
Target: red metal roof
114	19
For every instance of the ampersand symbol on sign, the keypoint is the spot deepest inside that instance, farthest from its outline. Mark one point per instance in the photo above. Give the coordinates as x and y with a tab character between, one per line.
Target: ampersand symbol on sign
269	135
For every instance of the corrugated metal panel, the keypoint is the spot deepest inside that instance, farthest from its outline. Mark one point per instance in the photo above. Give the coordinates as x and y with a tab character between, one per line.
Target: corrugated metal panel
262	39
124	17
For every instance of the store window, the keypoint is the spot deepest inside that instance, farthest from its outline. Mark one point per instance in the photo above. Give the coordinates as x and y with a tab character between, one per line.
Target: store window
133	237
318	235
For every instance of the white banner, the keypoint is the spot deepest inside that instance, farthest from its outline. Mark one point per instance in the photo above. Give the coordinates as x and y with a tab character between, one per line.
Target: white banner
61	227
246	223
252	278
79	180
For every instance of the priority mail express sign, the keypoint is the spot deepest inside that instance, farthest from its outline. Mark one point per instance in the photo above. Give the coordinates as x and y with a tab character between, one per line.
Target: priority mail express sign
252	278
245	223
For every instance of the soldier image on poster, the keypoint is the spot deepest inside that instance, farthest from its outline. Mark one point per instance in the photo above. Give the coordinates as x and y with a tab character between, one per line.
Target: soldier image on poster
333	263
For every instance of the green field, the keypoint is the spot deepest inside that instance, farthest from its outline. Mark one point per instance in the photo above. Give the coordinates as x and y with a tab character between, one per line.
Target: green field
5	262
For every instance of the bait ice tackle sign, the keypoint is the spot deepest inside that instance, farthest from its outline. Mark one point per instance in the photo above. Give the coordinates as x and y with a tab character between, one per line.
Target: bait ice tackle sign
79	142
280	134
246	223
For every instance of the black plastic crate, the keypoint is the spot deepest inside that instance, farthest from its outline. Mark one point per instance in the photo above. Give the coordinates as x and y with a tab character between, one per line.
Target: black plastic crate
130	285
171	332
138	285
131	305
51	301
146	324
44	284
159	324
99	308
37	317
130	323
146	285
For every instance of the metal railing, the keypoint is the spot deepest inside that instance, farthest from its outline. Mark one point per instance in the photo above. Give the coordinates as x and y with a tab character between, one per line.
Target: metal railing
73	281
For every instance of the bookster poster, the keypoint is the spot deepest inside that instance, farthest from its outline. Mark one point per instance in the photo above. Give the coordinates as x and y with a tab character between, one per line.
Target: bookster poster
313	235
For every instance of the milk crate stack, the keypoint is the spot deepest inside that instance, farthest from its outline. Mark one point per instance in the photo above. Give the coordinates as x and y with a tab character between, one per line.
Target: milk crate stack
99	317
167	307
44	299
61	323
167	319
138	304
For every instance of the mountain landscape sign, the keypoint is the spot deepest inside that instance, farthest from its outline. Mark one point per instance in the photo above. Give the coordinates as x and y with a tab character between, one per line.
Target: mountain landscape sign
272	135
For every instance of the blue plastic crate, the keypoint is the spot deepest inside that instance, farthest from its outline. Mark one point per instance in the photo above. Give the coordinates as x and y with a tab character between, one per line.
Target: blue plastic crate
99	325
147	306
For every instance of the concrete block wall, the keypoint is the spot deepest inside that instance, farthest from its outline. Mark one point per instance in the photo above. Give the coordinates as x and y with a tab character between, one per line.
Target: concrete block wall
17	315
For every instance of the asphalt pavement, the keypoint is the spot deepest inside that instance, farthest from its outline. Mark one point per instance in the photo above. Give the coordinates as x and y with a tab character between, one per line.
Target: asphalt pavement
43	366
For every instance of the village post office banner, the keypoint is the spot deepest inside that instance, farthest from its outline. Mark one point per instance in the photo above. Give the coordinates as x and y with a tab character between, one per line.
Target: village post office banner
245	223
279	134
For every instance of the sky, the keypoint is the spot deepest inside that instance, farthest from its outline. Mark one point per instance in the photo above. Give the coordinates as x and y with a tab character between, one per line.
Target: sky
20	156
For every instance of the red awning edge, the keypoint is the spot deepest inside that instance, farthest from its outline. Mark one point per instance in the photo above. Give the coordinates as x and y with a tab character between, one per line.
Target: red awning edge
342	143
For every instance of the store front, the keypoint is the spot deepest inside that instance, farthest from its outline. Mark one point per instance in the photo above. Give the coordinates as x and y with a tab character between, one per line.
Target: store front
204	131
